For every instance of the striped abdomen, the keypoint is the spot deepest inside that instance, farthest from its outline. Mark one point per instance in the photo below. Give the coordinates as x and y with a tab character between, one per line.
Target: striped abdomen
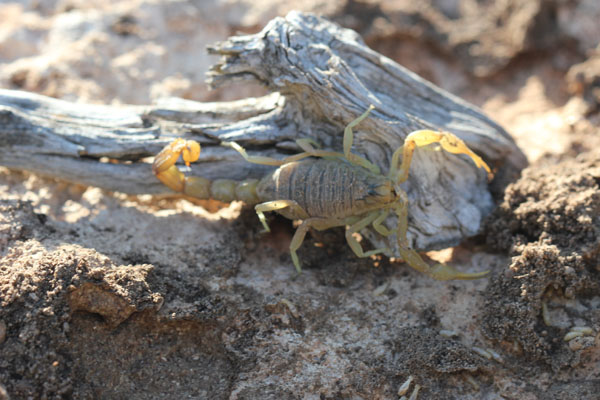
327	188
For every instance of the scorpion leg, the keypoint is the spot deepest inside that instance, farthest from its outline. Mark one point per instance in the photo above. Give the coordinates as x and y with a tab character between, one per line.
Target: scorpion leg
348	139
305	144
278	205
297	241
315	222
356	227
378	224
447	140
253	159
441	272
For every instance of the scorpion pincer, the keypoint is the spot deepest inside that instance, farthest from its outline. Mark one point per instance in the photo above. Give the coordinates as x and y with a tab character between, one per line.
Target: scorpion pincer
324	189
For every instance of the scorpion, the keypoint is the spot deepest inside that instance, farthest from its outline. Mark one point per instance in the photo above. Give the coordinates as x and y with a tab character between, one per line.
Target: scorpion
324	189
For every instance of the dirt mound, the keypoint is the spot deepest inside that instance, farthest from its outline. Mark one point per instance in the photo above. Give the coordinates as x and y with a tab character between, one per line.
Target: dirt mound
549	221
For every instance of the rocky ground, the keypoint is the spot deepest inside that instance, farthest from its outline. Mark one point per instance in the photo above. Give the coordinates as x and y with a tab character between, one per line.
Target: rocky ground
104	295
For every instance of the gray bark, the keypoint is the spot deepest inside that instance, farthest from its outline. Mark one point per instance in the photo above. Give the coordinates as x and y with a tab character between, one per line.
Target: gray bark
322	76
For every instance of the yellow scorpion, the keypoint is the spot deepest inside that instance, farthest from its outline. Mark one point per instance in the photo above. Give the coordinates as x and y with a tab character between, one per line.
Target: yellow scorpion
324	189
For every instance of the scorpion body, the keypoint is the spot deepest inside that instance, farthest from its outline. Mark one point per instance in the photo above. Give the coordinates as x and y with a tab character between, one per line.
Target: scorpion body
323	189
326	188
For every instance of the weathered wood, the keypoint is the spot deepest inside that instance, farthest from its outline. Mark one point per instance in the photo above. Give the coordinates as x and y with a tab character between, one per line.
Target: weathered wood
74	141
322	76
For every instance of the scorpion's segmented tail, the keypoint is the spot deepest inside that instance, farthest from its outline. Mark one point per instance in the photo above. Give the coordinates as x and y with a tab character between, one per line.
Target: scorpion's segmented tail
225	190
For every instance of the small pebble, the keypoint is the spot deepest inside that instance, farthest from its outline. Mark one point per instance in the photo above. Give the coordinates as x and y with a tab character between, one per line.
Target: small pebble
380	289
572	335
405	386
3	393
497	357
448	333
586	330
482	352
575	344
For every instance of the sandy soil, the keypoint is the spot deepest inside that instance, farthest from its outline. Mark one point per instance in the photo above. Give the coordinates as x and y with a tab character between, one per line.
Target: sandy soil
104	295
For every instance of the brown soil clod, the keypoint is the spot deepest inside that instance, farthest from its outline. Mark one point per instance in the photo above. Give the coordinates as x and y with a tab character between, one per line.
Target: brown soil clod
550	222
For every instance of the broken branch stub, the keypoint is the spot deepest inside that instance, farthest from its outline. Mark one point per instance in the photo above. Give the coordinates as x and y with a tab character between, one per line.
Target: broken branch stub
323	76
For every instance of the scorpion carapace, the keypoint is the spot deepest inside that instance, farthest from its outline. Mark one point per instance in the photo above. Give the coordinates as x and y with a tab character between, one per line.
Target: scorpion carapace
324	189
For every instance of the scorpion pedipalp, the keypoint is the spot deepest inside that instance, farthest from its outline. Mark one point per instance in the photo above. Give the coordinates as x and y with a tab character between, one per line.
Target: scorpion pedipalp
449	142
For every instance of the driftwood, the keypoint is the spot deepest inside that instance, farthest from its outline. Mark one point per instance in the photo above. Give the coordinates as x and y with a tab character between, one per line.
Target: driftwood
322	76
